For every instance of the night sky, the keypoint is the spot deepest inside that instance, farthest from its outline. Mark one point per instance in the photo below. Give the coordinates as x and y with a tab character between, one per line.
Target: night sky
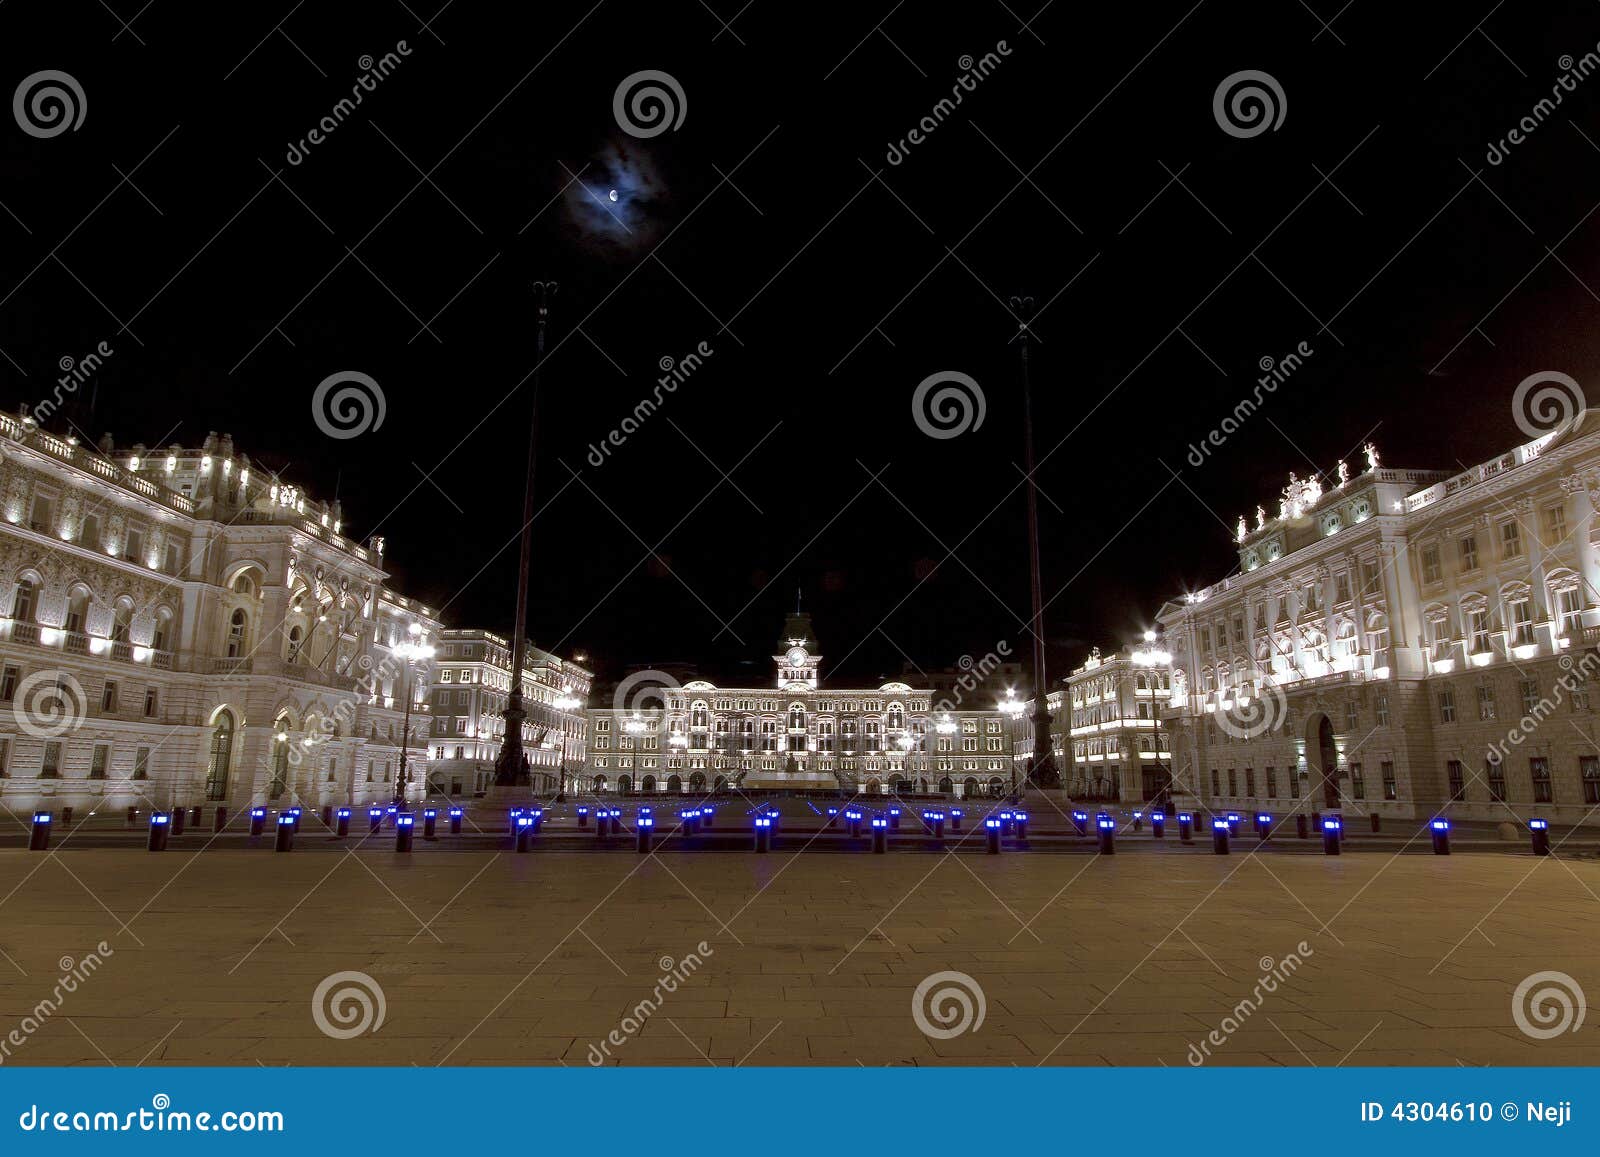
1088	168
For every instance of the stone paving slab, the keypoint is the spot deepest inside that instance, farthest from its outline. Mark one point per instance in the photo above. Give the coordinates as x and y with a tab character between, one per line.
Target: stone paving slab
578	959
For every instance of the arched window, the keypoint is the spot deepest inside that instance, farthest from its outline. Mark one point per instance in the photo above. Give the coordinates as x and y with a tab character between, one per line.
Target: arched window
244	584
122	620
699	716
221	757
897	717
280	759
797	717
27	600
77	609
296	637
158	641
236	632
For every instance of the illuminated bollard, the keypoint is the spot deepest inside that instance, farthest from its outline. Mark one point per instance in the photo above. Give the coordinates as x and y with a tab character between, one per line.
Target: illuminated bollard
1440	829
1263	825
1233	823
133	816
1185	827
327	815
194	817
615	816
1300	827
284	840
258	820
852	821
430	821
1021	819
894	819
1158	825
1108	834
643	830
219	819
176	826
405	824
296	812
602	821
992	830
341	820
160	827
1538	834
455	821
772	827
689	820
513	816
524	833
707	814
374	818
763	834
1220	832
1008	823
1080	820
1377	823
1332	830
955	819
880	835
1138	821
39	834
583	817
833	817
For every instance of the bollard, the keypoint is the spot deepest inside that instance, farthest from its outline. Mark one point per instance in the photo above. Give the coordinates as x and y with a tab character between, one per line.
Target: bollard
327	815
160	828
1300	827
955	819
707	814
341	819
992	830
536	814
297	812
194	817
1138	821
643	830
1220	831
880	835
1441	837
772	828
178	816
616	820
133	815
1158	825
763	833
602	820
1108	834
405	824
523	833
938	825
1377	824
39	834
1538	834
1008	823
374	818
219	819
455	821
258	820
1021	819
430	820
513	816
1080	820
583	817
1186	827
833	817
1263	825
894	819
852	821
1233	823
284	841
1332	830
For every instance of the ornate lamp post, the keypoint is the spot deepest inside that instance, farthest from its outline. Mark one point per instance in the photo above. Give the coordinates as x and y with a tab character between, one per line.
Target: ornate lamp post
566	701
1012	708
411	651
1151	655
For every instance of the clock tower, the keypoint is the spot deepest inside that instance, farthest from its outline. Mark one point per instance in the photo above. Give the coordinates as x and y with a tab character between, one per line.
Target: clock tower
797	659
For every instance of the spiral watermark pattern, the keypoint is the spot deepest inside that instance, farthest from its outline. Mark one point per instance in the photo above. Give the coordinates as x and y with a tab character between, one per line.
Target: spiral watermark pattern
1256	716
648	103
1248	103
1547	1004
644	691
49	103
49	704
347	404
948	1004
948	404
348	1004
1544	402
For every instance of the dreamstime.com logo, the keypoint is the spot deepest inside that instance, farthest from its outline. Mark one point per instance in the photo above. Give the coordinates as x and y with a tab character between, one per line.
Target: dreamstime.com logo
347	404
49	704
348	1004
643	691
1544	402
948	1004
49	103
1547	1004
948	404
649	103
1249	103
1249	717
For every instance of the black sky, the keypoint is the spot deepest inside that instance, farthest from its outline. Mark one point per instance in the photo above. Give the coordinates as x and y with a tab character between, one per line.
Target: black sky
842	281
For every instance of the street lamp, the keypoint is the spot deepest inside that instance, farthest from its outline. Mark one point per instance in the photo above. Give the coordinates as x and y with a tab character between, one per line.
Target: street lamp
1013	707
1153	656
566	701
411	651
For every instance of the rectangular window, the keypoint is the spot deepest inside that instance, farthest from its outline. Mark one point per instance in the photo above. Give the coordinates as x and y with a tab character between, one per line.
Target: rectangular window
1272	783
1215	787
1485	702
1447	705
1495	773
1571	601
50	766
1369	578
8	684
1530	695
1522	622
5	758
1511	539
1430	563
1539	773
1469	552
1352	715
1381	702
1589	772
108	696
1358	782
1478	631
1233	782
43	518
1458	781
152	703
1250	782
1555	524
1390	788
136	545
1341	587
141	763
98	761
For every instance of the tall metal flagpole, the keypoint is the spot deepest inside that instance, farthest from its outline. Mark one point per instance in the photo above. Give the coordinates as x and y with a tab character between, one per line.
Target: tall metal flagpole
510	767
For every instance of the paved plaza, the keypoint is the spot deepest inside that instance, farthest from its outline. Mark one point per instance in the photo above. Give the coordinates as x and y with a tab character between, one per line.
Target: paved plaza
494	958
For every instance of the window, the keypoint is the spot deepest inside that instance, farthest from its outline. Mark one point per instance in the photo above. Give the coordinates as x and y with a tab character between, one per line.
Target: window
236	628
1555	524
91	531
1589	772
221	758
1539	773
1341	587
141	763
1485	702
1511	539
1381	708
1390	790
1530	695
43	517
1233	782
1469	552
1478	631
8	684
1571	601
1216	788
1369	578
1352	715
1447	705
152	703
1358	782
1430	563
1458	783
135	549
280	761
297	636
1495	773
50	766
22	607
98	761
5	758
1522	620
1272	783
108	696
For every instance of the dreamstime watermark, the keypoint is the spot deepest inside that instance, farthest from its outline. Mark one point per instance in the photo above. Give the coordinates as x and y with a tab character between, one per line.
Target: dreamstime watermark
73	974
644	691
1547	1004
948	404
74	372
1274	372
947	1004
372	71
1250	716
1273	973
674	372
1574	675
347	404
972	72
48	104
1544	402
1248	103
49	704
161	1117
648	103
673	974
974	675
1571	73
348	1004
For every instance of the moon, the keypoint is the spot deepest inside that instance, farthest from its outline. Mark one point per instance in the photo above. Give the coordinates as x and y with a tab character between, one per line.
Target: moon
613	194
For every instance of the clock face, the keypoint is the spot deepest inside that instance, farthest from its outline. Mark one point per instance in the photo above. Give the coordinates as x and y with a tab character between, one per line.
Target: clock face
796	656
